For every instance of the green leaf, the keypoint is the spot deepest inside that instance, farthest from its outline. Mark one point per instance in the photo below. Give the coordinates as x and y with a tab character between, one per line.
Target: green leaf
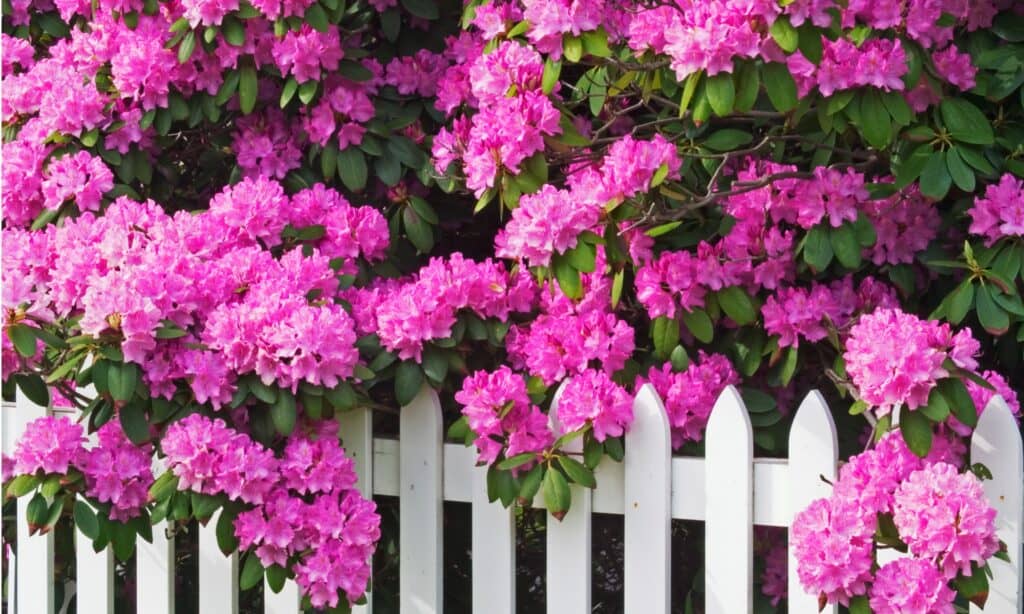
736	304
665	334
577	472
780	86
435	364
225	531
910	166
917	431
875	124
727	139
530	483
36	513
233	31
24	339
959	400
582	257
595	43
992	317
164	486
134	423
818	248
316	16
121	380
288	91
388	170
785	34
276	575
845	245
85	519
352	168
965	122
408	381
699	324
187	46
420	233
962	174
960	302
572	48
423	209
248	87
975	586
501	486
556	493
689	89
252	572
21	485
936	409
567	276
935	178
283	413
552	71
748	86
424	9
307	90
721	93
860	605
516	461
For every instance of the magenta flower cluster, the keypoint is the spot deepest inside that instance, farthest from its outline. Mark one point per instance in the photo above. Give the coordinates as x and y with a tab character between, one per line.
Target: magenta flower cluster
498	410
116	471
690	395
306	515
942	516
1000	213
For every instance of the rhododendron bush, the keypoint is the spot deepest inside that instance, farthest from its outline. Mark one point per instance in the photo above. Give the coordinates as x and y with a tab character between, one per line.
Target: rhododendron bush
228	222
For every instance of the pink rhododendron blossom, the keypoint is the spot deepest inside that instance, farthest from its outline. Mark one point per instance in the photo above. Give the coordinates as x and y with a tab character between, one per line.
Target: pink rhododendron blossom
955	67
1000	213
867	481
592	398
544	224
911	586
118	472
80	177
943	516
895	358
690	395
497	407
832	545
50	444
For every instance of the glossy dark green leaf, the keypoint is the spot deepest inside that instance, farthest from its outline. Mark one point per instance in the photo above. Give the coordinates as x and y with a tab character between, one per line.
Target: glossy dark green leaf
961	174
721	93
316	16
875	123
567	276
85	520
699	324
283	413
965	122
993	318
960	402
785	34
556	493
408	381
935	179
252	572
818	248
187	46
134	423
780	86
960	302
248	87
24	339
424	9
420	233
352	168
736	303
917	432
845	246
121	380
529	483
577	471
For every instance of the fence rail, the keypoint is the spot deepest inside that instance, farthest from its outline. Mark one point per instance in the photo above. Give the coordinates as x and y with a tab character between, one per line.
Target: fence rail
728	489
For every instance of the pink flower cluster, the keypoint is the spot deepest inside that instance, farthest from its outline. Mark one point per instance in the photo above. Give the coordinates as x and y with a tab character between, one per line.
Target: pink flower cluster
117	472
592	398
1000	213
895	358
307	517
799	313
905	223
877	63
80	177
690	395
498	410
942	515
544	224
267	145
427	306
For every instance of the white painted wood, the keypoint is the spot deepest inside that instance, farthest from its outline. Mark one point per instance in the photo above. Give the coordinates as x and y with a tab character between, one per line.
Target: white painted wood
568	543
356	429
285	602
94	576
647	536
996	443
218	574
34	565
154	571
813	454
421	560
729	539
494	551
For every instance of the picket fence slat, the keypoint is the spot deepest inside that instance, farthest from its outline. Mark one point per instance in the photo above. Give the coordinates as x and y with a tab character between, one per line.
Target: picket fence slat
647	533
284	602
728	489
420	555
356	428
728	529
997	445
813	453
568	541
493	551
34	563
218	574
154	571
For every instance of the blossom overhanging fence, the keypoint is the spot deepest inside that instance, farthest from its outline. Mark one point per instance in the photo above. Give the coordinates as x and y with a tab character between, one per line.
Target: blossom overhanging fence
728	489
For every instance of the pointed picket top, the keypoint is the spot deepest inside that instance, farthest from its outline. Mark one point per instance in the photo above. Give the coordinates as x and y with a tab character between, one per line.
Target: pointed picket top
648	506
813	454
729	525
568	540
421	471
996	443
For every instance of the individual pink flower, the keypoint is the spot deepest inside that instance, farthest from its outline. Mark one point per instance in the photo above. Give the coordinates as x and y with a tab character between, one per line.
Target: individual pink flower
593	398
944	517
955	67
911	586
1000	213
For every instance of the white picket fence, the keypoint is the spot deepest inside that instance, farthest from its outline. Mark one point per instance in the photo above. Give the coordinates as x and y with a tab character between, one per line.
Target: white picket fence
729	490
